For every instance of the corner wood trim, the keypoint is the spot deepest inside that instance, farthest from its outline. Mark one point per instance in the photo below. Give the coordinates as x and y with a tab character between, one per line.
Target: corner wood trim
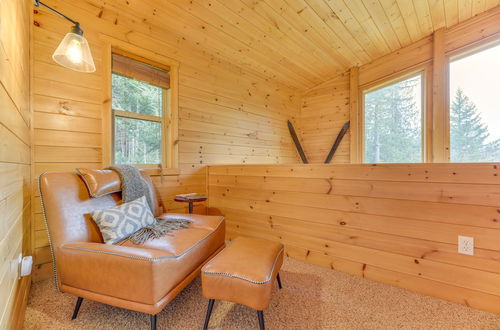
355	149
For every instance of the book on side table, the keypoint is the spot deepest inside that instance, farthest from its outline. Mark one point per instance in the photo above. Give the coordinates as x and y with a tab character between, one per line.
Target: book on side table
190	198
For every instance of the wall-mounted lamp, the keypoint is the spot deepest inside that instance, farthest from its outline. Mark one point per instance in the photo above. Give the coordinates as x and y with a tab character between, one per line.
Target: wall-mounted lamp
73	52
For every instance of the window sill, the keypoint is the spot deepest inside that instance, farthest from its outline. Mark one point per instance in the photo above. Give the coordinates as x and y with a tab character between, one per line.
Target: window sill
165	171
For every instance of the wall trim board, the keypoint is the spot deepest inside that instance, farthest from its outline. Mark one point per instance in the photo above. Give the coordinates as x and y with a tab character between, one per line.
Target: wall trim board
440	114
355	146
20	303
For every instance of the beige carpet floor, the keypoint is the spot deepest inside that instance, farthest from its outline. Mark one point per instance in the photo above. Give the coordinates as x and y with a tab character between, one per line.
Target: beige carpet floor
312	298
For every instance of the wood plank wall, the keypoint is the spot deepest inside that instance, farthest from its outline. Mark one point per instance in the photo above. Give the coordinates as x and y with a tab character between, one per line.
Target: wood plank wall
15	155
228	115
326	107
393	223
324	110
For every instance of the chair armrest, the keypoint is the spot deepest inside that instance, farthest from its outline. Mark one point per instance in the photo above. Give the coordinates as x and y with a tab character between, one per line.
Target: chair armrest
131	273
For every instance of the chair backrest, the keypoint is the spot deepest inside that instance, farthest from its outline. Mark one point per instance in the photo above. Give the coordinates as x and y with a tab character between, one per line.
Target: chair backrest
67	206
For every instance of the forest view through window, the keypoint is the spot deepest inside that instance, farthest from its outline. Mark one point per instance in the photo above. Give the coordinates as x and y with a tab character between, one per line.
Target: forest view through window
475	107
138	110
393	123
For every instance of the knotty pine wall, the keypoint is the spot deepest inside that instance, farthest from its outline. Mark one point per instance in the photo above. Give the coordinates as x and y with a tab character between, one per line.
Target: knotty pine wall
393	223
324	110
326	107
227	115
15	155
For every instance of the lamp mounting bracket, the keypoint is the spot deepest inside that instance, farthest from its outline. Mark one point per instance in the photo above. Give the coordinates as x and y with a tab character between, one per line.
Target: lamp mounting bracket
75	29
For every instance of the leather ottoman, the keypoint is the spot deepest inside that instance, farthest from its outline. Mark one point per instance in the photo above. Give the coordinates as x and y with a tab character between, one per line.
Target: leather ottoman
243	273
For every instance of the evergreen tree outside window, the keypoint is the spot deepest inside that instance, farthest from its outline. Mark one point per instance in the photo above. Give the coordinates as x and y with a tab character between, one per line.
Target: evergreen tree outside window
138	103
475	107
393	122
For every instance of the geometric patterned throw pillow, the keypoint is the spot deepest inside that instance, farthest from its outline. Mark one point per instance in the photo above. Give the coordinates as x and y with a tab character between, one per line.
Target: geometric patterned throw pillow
121	221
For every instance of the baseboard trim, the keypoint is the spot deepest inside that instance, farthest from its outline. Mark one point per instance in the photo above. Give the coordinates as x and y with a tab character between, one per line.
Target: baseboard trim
16	321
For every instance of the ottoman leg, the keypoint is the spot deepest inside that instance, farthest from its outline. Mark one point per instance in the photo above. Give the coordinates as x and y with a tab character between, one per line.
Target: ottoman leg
153	321
279	280
209	312
261	319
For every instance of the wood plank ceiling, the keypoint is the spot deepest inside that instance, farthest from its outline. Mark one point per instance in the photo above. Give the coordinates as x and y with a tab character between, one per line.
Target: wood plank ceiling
300	43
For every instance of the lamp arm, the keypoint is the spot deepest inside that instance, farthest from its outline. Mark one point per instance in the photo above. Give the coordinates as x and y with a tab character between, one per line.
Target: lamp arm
38	3
73	52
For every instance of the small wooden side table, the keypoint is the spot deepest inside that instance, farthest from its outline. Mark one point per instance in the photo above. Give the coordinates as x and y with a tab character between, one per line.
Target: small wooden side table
190	199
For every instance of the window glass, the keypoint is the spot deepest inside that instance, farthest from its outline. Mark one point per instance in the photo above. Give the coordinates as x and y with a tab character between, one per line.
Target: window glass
138	111
136	96
393	123
475	107
137	141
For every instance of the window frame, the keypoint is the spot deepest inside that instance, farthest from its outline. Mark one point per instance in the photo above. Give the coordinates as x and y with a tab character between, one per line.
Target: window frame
169	152
132	115
454	55
433	56
470	49
423	71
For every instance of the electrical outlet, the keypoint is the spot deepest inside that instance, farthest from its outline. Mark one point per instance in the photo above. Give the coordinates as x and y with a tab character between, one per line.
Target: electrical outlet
466	245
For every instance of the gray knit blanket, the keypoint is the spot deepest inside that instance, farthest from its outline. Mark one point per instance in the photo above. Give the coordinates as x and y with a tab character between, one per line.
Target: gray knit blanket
133	187
133	184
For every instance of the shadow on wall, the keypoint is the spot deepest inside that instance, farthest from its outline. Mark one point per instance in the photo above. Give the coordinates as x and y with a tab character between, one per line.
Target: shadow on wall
214	211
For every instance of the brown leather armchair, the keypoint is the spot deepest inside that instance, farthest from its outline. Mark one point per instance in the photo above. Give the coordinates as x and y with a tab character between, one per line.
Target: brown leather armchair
143	278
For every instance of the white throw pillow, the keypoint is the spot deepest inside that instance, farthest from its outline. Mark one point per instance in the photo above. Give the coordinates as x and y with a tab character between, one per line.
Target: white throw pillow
119	222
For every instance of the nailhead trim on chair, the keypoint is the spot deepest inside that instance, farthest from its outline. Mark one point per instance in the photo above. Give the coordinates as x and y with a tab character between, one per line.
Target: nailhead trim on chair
142	258
48	232
116	253
247	279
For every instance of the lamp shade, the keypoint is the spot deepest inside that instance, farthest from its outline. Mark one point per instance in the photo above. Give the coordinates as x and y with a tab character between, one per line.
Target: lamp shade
74	53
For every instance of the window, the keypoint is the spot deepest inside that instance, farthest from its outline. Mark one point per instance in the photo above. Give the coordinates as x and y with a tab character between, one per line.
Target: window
393	122
139	104
475	107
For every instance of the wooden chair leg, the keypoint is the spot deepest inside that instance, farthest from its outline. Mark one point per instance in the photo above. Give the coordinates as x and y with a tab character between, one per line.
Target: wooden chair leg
153	321
77	307
209	312
261	319
279	280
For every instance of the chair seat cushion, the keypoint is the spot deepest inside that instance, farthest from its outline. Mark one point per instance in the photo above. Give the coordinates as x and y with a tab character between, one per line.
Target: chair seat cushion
188	248
147	279
178	242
